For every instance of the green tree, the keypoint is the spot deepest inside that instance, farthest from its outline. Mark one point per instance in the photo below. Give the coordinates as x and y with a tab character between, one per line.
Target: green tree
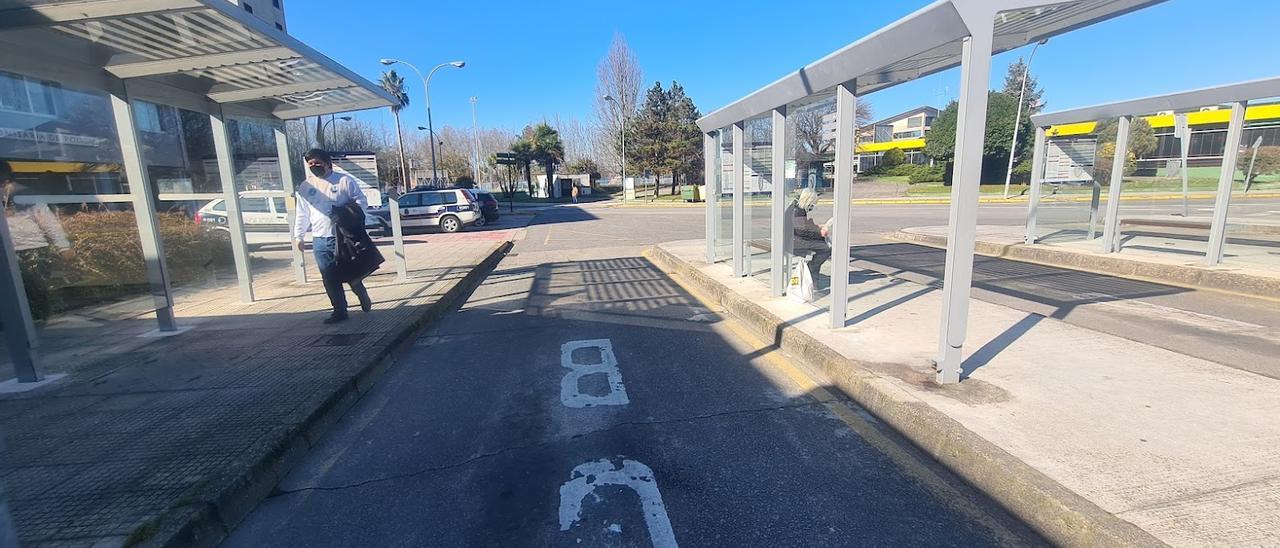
684	147
1001	111
647	135
547	149
586	166
1142	138
394	84
1033	99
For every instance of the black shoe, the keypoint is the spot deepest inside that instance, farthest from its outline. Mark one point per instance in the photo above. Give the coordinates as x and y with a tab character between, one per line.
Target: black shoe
335	318
366	304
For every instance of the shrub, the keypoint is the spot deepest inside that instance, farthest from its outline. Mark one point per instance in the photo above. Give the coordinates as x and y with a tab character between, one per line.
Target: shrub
893	157
927	174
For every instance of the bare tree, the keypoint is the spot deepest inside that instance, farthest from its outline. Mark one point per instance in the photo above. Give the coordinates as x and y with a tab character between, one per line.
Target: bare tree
618	76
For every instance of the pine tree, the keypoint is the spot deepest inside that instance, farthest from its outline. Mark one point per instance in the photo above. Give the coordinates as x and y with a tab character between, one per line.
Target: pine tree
1033	99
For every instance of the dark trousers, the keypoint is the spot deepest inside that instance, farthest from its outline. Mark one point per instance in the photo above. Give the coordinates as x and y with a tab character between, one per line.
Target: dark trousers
324	252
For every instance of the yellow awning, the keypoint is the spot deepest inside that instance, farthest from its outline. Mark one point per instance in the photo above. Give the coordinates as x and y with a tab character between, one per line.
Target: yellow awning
904	144
62	167
1220	116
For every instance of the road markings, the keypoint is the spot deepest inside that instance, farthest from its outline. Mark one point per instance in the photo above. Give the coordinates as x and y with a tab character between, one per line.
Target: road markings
570	390
587	476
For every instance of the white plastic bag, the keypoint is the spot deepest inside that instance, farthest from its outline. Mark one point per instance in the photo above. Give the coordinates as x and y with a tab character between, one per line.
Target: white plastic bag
800	286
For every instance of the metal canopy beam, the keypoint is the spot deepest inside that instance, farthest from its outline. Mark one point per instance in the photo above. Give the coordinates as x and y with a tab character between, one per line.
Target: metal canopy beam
43	15
231	95
124	67
1186	100
295	113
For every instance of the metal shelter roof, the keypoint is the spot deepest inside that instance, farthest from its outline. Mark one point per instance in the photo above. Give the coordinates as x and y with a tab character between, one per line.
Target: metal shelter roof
1177	102
210	48
923	43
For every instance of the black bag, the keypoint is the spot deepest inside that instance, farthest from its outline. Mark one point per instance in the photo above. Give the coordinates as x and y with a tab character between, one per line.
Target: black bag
355	255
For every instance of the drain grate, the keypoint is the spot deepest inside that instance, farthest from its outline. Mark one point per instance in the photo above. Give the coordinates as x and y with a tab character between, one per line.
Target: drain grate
344	339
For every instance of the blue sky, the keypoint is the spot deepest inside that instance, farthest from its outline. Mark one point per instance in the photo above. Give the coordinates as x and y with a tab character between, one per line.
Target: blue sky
530	60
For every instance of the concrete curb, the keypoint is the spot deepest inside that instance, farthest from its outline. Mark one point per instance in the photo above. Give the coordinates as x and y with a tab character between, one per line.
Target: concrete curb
1214	279
210	511
1054	511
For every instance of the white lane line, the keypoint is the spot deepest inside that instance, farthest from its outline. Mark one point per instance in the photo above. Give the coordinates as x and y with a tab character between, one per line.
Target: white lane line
587	476
570	391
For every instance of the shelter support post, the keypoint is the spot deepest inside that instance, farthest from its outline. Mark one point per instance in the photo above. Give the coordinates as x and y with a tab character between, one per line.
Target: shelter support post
1222	204
15	311
231	197
291	201
144	210
1037	178
397	239
1095	204
846	131
1111	223
712	212
779	229
740	227
967	173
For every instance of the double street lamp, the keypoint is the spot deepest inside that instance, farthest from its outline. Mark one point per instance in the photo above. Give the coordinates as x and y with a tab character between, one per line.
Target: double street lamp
426	89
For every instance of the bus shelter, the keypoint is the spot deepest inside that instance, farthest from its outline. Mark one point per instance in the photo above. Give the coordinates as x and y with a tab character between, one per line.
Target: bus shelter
1233	134
133	109
781	159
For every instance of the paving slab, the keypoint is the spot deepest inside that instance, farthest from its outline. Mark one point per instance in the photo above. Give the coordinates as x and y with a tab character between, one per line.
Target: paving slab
1090	438
170	441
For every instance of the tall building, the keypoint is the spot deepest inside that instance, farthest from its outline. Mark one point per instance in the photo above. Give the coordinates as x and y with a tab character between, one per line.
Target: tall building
271	11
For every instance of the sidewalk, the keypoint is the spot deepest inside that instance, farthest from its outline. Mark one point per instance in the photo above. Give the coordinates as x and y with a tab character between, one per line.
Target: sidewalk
170	441
1090	438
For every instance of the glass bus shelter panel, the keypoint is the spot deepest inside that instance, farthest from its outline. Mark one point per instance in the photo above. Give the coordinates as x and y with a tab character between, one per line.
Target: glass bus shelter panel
1253	220
758	170
263	207
724	201
1167	207
809	178
181	165
1073	190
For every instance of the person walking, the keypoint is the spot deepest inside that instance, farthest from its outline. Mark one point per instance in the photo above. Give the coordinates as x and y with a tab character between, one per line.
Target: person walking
38	241
319	198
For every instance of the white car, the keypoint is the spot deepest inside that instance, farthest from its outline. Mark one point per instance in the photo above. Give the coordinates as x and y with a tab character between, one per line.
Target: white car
266	218
450	210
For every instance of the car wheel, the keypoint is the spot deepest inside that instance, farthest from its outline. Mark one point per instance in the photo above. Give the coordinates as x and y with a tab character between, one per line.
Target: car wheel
450	224
480	221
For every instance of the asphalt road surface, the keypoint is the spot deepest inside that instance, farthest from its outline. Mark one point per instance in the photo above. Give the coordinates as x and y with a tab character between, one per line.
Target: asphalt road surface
582	397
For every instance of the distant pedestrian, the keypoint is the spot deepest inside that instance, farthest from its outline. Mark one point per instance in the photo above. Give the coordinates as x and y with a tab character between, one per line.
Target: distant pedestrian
574	191
320	198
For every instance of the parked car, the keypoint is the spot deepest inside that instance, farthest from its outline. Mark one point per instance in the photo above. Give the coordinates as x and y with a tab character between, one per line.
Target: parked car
488	206
450	210
266	218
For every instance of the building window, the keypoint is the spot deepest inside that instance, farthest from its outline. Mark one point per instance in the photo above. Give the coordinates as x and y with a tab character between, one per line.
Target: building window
279	26
247	7
22	94
915	121
275	4
913	134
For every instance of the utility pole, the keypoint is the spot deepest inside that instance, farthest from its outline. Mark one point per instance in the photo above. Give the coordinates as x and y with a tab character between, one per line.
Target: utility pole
1008	174
475	144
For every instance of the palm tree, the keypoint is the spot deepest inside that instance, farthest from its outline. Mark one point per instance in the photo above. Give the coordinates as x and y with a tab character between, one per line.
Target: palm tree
394	84
523	149
548	150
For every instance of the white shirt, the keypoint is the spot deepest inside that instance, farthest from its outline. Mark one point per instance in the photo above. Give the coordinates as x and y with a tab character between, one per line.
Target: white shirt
316	198
35	227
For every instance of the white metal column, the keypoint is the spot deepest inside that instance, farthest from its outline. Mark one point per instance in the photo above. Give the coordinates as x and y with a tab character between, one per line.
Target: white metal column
739	202
712	213
966	176
846	131
1111	223
231	197
144	210
291	201
1037	177
1222	205
778	229
15	311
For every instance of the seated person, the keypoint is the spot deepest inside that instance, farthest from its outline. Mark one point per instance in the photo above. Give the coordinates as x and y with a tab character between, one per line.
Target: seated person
808	237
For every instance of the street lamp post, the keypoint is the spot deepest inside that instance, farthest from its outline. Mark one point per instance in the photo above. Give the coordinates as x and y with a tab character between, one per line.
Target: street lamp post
1008	174
335	127
426	92
475	145
623	151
